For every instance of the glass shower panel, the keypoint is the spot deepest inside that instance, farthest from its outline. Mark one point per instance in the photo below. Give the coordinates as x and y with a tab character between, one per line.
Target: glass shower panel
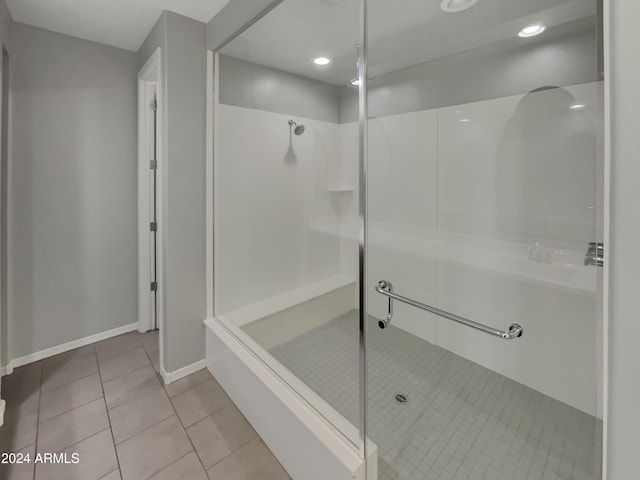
285	231
485	175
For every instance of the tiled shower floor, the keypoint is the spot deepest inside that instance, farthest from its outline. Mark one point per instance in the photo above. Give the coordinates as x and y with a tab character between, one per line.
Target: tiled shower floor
462	421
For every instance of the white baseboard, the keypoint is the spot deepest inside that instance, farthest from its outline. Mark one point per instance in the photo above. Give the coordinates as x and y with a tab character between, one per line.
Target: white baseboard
3	405
170	377
6	370
65	347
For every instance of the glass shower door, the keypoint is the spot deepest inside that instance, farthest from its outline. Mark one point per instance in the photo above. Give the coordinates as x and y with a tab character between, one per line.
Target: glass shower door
484	204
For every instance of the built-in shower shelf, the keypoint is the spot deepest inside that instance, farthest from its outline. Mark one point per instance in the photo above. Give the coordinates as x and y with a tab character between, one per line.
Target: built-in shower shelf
270	306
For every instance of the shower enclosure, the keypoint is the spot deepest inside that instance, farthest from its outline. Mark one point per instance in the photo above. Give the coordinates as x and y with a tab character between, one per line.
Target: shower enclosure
408	218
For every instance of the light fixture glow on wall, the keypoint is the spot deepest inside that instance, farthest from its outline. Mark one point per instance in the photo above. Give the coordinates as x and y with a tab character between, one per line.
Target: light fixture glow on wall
455	6
322	61
531	31
577	106
354	82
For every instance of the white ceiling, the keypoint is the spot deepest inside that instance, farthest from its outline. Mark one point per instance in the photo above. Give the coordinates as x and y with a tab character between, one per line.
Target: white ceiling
120	23
402	33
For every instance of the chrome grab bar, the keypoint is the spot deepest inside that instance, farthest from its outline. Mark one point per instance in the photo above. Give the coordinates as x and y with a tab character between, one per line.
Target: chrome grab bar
385	288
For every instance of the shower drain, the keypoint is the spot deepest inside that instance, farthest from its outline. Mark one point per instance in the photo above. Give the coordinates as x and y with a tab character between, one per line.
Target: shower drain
401	398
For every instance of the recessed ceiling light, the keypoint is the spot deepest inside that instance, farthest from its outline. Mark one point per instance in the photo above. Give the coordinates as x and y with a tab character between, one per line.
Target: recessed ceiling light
531	31
455	6
577	106
322	61
465	120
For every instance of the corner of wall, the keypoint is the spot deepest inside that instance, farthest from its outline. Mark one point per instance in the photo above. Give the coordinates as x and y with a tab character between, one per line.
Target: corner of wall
233	17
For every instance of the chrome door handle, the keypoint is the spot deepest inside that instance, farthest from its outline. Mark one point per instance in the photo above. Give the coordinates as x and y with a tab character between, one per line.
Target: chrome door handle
388	288
595	254
385	288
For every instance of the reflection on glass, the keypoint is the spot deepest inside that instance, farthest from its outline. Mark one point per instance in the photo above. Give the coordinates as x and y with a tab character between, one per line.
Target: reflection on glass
285	260
484	194
484	185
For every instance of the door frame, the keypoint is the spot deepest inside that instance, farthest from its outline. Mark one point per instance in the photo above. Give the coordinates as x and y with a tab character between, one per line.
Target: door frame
150	74
608	368
6	368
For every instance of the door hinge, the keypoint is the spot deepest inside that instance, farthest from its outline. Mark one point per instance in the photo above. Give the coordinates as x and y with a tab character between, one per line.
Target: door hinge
153	226
154	104
154	286
153	164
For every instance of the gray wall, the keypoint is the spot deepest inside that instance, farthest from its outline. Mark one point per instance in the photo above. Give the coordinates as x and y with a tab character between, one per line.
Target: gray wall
183	43
246	84
5	37
157	38
623	258
73	227
565	55
234	16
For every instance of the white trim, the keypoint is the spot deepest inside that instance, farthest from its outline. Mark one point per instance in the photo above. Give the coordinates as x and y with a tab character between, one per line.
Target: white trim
3	406
150	73
606	321
170	377
293	298
232	363
211	88
65	347
2	241
214	179
7	369
10	260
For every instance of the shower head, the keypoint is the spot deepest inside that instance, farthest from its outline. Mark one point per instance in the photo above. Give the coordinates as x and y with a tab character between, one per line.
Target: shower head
298	130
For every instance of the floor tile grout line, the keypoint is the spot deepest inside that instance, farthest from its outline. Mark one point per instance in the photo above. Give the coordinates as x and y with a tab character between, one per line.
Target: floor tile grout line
130	371
144	429
104	398
191	385
145	347
71	357
187	433
137	396
74	380
60	450
112	355
35	447
115	470
149	356
147	351
236	449
214	412
71	410
172	463
175	412
69	353
40	384
69	383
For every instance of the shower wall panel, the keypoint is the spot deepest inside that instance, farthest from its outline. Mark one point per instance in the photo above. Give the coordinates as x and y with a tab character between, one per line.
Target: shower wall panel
447	229
271	185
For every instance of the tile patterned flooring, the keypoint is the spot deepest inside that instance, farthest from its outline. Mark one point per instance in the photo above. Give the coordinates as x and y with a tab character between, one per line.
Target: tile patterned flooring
462	421
107	403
